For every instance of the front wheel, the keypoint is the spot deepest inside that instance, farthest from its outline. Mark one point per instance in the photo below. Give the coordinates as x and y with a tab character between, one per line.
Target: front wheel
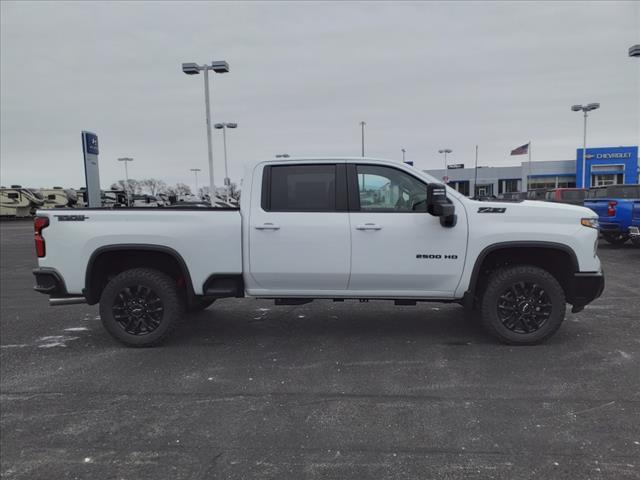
616	238
141	307
523	305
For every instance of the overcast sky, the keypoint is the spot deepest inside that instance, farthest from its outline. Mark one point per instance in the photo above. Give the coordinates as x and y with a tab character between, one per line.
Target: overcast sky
424	76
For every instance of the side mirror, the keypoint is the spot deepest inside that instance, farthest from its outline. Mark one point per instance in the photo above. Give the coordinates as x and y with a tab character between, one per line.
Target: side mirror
439	205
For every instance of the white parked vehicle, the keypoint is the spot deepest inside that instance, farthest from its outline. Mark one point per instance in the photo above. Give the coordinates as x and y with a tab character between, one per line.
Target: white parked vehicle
146	201
18	202
331	229
58	197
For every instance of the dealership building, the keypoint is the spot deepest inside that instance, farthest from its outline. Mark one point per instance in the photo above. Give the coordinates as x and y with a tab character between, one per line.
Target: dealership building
604	166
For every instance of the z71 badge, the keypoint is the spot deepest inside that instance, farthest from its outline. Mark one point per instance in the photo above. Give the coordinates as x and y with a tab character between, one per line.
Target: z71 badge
491	210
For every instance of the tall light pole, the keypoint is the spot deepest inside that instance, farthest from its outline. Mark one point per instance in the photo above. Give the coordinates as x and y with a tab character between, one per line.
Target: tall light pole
585	108
219	66
404	151
126	160
223	126
362	124
195	171
445	151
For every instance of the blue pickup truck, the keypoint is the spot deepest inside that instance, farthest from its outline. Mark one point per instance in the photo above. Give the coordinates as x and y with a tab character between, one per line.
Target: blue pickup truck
614	204
634	229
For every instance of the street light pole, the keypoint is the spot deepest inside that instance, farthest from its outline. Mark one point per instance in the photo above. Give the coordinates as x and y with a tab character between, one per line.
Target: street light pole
191	68
196	170
362	124
445	151
403	154
126	176
585	108
223	126
212	187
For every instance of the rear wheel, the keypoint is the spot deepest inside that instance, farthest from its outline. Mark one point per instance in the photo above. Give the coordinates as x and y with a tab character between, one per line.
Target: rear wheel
141	307
616	238
523	305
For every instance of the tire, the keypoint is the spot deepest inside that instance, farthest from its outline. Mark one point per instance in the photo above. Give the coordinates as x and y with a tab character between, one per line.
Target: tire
141	307
522	305
200	304
616	238
635	241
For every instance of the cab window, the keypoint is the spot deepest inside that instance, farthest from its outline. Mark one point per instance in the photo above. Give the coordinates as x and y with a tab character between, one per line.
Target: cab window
386	189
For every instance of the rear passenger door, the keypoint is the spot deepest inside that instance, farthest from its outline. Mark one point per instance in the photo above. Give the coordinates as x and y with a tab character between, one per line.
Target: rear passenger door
299	235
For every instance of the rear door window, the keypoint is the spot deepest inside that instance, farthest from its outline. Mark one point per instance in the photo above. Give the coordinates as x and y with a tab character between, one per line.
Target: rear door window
300	188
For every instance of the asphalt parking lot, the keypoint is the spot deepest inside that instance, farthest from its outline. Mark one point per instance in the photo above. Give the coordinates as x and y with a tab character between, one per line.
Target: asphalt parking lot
325	390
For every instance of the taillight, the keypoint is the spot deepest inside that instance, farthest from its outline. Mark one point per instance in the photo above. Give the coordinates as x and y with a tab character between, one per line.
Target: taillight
611	209
39	224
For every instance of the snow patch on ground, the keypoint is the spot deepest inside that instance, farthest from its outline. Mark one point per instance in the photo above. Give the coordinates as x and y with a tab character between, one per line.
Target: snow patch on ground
76	329
55	341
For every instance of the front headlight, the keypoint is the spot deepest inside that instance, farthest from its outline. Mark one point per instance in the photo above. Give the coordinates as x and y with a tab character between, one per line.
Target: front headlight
590	222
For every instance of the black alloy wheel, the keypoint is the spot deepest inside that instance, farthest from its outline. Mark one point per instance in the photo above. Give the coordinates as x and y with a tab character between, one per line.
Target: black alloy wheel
141	307
524	307
138	310
522	304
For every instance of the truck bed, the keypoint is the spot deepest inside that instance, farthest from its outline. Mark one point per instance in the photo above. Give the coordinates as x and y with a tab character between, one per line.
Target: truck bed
208	240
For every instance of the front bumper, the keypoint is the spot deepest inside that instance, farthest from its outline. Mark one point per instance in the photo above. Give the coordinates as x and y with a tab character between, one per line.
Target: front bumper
587	286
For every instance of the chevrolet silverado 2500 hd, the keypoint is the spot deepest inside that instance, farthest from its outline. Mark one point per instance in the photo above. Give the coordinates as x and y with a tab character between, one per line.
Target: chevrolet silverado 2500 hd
325	229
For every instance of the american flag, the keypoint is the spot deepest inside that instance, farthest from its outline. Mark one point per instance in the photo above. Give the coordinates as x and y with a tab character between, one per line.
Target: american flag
521	150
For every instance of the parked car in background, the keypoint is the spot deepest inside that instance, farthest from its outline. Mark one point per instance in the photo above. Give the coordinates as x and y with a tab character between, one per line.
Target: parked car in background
146	201
574	196
634	229
614	205
537	194
513	196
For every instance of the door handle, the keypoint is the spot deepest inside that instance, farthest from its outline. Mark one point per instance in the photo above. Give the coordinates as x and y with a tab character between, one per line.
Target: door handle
369	226
267	226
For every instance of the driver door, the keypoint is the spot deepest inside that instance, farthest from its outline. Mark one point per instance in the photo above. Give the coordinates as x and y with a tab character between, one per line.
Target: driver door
397	248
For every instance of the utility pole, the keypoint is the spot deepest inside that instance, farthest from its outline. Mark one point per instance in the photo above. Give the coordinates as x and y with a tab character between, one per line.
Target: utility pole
126	160
195	171
362	124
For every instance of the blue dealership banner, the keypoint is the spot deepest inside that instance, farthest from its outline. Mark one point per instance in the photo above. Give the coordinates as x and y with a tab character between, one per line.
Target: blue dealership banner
91	168
621	162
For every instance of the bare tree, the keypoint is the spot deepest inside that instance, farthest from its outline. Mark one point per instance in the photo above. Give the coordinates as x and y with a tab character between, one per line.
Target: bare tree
134	186
182	189
153	186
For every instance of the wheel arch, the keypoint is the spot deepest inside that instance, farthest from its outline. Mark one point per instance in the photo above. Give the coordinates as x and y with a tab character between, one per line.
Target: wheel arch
559	260
125	256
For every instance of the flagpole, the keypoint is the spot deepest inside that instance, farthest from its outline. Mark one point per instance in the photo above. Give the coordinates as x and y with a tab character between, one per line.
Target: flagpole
529	177
475	179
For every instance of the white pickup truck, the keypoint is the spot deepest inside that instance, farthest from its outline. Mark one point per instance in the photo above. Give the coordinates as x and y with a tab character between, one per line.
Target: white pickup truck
336	229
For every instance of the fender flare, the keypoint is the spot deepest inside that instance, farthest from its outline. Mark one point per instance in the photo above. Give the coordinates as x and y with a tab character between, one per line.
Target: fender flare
132	247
